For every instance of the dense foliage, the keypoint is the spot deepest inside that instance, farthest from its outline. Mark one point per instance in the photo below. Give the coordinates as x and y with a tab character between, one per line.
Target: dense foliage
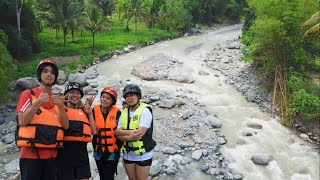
275	37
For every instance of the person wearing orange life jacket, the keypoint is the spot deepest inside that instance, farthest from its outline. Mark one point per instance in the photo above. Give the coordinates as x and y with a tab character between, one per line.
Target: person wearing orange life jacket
40	117
105	143
135	130
73	160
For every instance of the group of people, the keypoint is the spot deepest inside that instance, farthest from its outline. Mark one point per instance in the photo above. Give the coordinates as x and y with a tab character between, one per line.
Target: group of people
53	131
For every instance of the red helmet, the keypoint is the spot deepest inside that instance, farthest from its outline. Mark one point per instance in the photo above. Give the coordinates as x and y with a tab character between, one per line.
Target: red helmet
112	92
46	62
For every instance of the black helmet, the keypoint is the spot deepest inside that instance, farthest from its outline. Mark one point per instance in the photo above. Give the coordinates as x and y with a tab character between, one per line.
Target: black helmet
44	63
73	85
132	88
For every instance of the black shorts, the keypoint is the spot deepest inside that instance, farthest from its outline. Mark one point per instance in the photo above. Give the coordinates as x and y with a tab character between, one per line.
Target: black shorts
73	161
139	163
37	169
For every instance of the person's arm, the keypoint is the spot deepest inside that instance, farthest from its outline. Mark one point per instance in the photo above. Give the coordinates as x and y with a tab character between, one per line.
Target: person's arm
56	99
25	117
125	135
145	122
89	112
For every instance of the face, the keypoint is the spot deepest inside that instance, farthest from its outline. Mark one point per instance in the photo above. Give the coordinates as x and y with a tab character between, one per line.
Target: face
48	76
131	99
106	100
74	96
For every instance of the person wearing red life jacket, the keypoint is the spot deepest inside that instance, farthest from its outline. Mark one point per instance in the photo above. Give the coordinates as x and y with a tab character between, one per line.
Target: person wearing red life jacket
41	119
73	160
105	143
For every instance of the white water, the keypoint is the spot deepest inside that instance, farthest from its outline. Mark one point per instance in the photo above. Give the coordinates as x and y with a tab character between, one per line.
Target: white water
292	158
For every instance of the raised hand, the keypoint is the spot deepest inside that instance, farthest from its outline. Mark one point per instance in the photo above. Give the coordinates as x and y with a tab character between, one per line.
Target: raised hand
87	109
43	97
58	100
89	100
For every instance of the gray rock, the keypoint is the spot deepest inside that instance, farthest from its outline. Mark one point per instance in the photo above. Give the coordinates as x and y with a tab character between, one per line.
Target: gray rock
26	83
179	101
221	141
261	159
167	103
169	150
203	73
62	77
155	169
234	45
169	171
184	144
205	167
12	166
187	114
78	78
145	71
197	155
304	136
8	138
213	121
94	85
2	119
180	76
87	89
254	125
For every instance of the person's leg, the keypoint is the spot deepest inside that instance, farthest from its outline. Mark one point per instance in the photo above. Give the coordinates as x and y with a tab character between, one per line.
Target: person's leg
106	169
142	172
30	169
49	169
143	168
130	169
82	173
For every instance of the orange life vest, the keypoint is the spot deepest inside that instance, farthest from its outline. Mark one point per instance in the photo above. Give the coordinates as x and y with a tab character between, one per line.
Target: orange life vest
43	131
79	127
106	129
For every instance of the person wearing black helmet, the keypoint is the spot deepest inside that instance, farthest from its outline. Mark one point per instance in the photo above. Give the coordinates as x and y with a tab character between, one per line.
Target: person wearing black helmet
41	118
135	130
73	160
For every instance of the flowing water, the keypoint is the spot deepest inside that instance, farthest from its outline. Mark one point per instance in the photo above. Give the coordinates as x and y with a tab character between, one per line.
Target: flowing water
293	158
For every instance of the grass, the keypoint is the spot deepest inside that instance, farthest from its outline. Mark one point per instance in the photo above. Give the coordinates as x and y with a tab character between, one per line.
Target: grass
114	39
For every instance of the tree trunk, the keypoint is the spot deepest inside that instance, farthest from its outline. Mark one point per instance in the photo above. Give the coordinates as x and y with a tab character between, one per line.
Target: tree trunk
57	32
72	34
93	41
18	9
64	36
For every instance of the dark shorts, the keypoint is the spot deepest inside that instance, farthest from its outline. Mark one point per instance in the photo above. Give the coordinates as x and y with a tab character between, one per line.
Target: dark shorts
139	163
73	161
38	169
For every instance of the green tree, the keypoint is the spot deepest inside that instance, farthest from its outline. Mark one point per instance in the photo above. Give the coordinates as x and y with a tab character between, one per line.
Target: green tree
107	6
314	21
96	22
135	10
7	68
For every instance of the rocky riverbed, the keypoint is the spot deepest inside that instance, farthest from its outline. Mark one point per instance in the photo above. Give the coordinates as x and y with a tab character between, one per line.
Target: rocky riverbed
188	138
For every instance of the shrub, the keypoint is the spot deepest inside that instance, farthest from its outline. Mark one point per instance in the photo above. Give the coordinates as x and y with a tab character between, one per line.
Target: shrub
304	105
3	37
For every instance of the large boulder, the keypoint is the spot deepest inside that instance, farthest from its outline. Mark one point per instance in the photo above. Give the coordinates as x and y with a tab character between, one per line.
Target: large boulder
26	83
62	77
78	78
261	159
145	71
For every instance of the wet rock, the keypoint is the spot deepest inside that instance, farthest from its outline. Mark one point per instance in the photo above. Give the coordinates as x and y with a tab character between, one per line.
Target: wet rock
26	83
8	138
169	150
213	121
304	136
221	141
254	125
197	155
203	73
62	78
94	85
2	119
261	159
87	89
205	167
78	78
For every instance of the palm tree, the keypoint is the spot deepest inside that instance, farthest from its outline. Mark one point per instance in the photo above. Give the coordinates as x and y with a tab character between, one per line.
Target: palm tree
96	22
134	9
315	22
